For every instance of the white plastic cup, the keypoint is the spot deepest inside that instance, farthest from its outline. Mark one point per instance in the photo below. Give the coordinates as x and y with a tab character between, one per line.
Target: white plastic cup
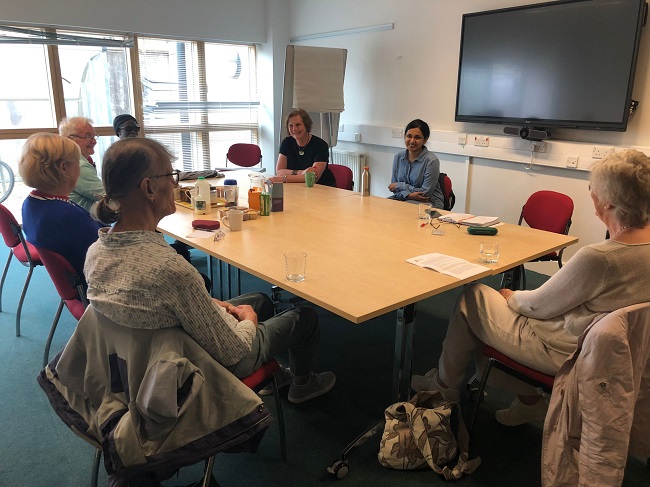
489	252
424	211
295	264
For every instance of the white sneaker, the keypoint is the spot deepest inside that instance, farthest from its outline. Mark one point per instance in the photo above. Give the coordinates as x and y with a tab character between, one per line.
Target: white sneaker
519	413
284	378
429	382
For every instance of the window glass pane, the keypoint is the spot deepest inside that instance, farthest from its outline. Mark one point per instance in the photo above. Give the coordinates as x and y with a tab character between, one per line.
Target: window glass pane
10	153
185	147
206	92
95	82
25	90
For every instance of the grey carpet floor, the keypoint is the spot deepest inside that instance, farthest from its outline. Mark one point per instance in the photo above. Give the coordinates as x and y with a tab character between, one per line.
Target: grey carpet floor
37	450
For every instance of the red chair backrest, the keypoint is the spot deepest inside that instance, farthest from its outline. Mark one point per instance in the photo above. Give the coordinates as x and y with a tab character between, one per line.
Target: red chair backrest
244	155
447	192
548	210
68	283
8	226
343	176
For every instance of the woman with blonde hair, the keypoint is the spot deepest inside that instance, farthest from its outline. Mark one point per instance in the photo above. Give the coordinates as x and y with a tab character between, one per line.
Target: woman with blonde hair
50	164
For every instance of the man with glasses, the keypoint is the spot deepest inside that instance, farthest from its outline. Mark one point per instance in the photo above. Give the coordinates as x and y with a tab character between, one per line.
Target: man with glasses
89	187
126	126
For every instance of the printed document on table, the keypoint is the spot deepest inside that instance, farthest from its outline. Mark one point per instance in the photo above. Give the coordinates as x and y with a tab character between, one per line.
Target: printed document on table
470	220
445	264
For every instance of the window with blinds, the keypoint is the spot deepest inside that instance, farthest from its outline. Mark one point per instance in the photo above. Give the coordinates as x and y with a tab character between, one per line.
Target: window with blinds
198	98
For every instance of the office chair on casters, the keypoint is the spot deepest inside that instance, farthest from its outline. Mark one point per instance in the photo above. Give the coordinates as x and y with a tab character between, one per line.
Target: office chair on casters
244	155
24	252
342	175
170	404
544	210
588	398
70	286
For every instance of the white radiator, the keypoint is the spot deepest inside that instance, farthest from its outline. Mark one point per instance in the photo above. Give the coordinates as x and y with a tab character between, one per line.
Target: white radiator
354	160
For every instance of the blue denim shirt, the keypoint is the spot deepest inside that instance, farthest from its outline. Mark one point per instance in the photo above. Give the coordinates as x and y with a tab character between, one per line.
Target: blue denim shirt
420	175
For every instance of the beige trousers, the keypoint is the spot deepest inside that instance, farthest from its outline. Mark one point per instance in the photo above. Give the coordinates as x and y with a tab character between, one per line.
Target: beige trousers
482	316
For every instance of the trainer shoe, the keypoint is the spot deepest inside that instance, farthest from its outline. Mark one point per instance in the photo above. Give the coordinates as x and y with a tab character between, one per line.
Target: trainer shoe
284	376
318	385
429	382
520	413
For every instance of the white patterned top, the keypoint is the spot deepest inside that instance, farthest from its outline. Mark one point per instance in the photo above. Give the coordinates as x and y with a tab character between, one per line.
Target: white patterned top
138	281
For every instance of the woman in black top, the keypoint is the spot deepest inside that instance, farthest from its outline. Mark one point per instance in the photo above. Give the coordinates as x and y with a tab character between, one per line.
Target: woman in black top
302	152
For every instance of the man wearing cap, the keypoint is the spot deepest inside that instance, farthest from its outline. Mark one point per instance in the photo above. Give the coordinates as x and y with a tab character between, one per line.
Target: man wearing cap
126	126
89	187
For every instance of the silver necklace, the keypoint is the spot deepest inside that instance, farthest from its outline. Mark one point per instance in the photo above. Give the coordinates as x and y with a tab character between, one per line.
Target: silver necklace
621	230
301	150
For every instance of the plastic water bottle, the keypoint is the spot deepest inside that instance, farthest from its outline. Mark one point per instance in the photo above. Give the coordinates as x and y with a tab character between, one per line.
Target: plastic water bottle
365	181
201	200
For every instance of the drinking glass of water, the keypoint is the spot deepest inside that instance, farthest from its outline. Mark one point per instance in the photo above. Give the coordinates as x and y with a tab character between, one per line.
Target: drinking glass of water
489	253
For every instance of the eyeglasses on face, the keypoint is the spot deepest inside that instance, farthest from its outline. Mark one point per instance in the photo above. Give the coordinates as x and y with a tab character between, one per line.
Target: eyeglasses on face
86	136
174	174
131	129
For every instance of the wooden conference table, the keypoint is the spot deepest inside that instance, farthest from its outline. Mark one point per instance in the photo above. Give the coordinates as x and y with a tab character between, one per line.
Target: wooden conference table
356	254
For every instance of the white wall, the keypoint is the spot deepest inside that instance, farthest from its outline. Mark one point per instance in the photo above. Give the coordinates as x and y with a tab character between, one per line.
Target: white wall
231	20
394	76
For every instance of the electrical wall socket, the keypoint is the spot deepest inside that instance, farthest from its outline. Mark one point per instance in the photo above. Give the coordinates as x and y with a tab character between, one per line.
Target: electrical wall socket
462	139
357	137
572	161
397	133
538	147
481	140
600	151
341	128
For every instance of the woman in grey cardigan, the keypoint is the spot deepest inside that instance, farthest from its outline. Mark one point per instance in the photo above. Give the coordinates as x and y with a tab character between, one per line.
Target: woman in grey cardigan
540	328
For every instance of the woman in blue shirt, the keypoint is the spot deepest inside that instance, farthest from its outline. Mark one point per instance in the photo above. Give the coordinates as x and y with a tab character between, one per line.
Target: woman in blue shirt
50	164
416	170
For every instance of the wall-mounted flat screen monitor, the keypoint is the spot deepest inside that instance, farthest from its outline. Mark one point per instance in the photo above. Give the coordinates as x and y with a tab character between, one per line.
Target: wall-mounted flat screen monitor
558	64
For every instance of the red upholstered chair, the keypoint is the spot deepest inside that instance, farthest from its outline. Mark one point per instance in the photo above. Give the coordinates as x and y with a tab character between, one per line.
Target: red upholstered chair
24	252
449	197
343	176
504	363
257	381
244	155
545	210
70	286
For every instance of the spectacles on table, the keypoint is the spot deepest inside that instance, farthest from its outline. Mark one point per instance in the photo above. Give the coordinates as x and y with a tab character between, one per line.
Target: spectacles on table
88	137
130	129
438	223
175	175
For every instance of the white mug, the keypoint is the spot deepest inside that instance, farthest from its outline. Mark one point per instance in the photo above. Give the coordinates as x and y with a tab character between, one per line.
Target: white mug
233	220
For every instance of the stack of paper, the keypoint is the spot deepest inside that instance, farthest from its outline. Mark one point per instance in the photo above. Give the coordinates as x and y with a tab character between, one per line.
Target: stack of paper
446	264
470	220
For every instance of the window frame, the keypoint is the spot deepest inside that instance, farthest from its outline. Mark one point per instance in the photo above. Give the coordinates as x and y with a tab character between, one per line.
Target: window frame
202	130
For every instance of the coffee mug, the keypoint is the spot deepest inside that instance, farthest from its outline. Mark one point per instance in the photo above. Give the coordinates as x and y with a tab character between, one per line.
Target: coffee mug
233	220
310	179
